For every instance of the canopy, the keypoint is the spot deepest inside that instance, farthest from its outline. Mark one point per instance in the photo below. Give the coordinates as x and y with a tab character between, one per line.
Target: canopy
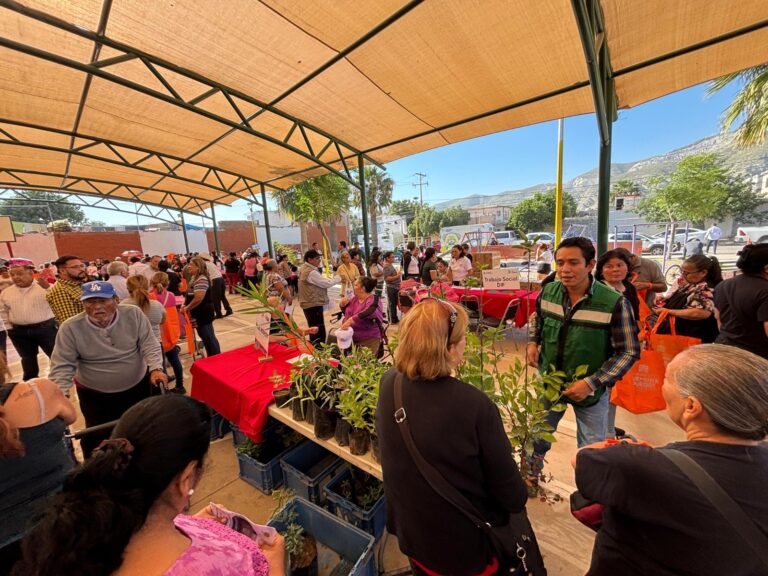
187	103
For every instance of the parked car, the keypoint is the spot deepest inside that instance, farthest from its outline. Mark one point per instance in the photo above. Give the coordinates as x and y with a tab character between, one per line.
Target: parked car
627	237
505	237
754	234
540	237
655	245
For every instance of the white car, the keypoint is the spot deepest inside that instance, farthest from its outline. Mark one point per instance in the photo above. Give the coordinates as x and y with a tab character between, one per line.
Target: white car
540	237
754	234
655	245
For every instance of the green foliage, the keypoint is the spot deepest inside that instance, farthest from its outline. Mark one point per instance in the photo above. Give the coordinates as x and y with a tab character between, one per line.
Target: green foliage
293	256
358	381
623	188
538	212
749	105
455	216
700	188
293	532
406	208
428	221
32	208
249	448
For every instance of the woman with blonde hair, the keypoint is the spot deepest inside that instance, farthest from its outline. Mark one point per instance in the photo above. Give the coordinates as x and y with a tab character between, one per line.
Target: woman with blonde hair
170	328
459	431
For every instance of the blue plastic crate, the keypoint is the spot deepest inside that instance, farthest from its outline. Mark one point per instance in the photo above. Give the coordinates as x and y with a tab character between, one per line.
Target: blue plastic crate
372	520
264	476
271	426
307	469
353	545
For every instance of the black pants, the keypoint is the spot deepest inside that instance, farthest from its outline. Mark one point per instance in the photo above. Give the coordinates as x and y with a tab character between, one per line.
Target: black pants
28	339
392	295
103	407
710	243
178	370
219	296
315	317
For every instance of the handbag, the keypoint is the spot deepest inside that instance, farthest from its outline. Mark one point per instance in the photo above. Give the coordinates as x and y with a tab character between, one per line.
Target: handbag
670	345
515	543
639	391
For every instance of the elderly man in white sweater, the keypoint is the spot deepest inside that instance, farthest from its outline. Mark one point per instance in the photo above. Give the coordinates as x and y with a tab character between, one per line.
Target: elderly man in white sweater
112	355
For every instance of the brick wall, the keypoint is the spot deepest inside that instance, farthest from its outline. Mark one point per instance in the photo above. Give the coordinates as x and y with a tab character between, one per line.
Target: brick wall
90	245
38	247
234	236
313	235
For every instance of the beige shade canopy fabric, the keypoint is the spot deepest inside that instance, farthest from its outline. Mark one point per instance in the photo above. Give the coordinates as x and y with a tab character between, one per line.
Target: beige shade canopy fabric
181	104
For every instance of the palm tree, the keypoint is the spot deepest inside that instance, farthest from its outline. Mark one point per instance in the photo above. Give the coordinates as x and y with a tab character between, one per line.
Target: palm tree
378	187
750	103
286	202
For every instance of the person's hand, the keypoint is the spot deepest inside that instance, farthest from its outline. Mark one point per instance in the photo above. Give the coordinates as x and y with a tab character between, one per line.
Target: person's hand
532	355
578	391
343	302
313	330
657	310
275	555
158	376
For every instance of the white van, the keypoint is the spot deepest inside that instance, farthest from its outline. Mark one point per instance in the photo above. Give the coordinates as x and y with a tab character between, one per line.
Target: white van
505	237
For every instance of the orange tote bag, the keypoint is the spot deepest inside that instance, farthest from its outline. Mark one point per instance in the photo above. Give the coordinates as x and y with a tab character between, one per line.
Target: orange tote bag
640	389
670	345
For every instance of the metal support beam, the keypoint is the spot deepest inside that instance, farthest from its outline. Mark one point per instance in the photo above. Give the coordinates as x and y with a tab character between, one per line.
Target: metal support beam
363	205
270	247
592	32
215	230
184	231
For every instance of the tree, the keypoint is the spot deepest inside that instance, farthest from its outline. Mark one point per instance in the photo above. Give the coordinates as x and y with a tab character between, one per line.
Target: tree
319	200
405	208
700	188
428	222
455	216
750	104
538	213
378	187
32	207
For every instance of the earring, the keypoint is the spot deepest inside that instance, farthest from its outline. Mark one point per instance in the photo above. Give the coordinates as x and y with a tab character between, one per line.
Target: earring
191	491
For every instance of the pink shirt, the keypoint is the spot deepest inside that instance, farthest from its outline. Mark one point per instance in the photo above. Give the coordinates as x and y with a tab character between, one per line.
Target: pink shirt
216	551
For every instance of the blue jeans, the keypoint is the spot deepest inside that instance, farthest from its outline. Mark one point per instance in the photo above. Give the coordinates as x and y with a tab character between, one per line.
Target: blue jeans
208	336
591	425
178	370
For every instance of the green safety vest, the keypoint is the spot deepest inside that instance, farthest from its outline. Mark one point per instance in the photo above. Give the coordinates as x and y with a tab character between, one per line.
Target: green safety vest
582	337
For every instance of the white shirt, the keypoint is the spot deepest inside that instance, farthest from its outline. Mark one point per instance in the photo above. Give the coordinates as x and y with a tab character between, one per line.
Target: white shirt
714	233
460	268
137	268
413	265
121	288
26	305
148	272
213	270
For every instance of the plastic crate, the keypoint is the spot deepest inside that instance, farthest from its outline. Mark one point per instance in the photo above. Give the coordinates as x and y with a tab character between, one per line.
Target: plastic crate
238	436
264	476
307	468
372	520
354	546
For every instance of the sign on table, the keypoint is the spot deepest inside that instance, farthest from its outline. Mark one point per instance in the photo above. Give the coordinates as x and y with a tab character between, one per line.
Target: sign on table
501	279
262	330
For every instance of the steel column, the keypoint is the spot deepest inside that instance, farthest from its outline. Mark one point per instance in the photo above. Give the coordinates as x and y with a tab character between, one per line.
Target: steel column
604	186
267	232
215	230
363	205
184	231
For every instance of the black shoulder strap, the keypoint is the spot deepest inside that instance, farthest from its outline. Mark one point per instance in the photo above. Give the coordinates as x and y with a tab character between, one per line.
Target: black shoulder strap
436	480
720	499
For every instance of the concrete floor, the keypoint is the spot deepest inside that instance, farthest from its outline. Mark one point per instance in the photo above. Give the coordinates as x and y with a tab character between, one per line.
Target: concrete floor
566	544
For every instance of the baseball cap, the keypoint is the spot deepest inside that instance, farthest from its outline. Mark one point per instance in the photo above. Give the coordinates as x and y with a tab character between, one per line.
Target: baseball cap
25	262
97	289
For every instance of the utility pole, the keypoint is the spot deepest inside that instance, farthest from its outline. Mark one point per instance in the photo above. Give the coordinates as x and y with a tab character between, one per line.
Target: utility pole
421	183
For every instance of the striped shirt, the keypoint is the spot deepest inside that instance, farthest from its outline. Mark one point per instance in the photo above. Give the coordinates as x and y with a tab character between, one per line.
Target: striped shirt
26	306
64	299
626	347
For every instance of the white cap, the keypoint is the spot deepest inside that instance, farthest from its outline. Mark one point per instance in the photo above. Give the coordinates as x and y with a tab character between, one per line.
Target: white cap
205	256
344	337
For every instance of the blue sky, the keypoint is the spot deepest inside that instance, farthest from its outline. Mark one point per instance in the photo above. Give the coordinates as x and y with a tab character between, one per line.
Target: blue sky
527	156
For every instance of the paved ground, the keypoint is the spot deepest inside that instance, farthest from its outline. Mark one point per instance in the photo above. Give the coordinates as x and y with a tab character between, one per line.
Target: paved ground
566	544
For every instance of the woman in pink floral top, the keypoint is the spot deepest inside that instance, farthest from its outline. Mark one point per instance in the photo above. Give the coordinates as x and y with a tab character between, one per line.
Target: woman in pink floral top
691	303
120	513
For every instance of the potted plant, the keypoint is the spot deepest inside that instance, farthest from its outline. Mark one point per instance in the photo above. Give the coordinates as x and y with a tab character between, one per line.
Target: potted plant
300	546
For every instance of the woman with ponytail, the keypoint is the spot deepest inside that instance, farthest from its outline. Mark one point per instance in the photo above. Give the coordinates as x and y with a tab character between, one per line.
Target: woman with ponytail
33	455
120	513
138	288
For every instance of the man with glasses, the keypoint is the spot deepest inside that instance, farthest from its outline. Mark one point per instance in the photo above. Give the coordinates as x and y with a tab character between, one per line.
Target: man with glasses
313	293
64	296
110	354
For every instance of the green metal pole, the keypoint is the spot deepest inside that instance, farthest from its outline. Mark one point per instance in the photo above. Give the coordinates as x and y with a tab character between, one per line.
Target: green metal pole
270	247
184	231
363	204
215	230
604	170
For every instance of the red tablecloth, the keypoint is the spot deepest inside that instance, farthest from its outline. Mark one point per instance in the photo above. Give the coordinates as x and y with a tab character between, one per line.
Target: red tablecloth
493	303
238	386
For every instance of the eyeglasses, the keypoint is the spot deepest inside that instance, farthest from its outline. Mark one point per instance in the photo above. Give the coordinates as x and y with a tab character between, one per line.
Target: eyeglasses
452	316
77	267
689	272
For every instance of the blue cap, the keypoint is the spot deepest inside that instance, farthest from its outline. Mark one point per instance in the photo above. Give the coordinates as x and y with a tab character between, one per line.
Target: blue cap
98	289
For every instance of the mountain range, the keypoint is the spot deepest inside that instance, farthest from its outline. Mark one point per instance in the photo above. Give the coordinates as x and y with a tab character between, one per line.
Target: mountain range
751	162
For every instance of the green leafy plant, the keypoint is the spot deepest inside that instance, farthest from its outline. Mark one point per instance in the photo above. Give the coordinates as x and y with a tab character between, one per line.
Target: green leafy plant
250	449
358	382
293	532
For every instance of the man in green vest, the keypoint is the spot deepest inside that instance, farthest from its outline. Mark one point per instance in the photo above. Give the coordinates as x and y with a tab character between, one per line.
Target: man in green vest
580	321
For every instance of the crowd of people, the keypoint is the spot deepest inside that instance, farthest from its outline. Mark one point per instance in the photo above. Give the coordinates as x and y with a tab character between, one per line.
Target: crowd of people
112	332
